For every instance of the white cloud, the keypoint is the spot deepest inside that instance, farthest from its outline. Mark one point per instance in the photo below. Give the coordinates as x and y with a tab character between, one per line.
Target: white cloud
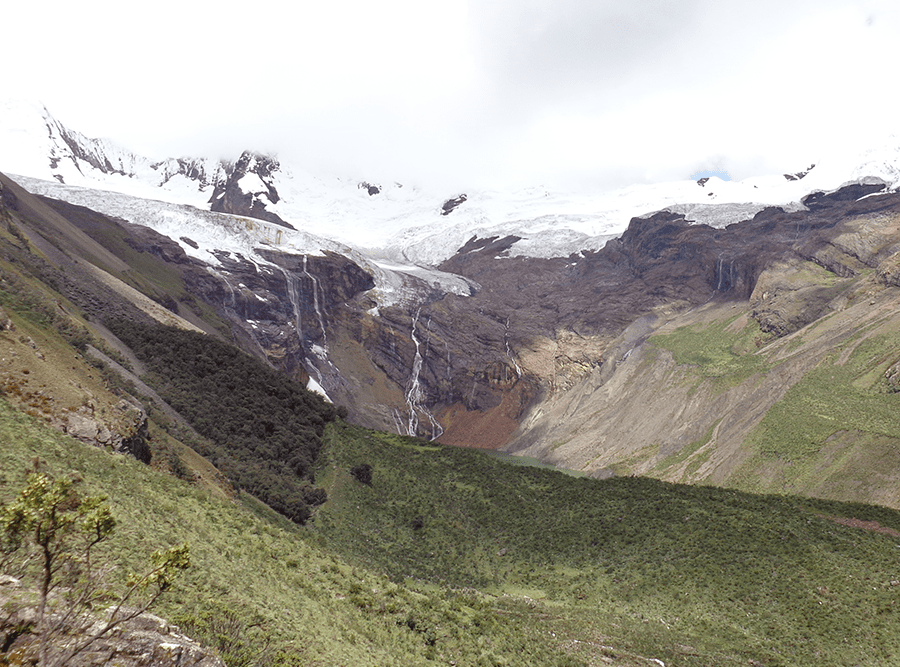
591	91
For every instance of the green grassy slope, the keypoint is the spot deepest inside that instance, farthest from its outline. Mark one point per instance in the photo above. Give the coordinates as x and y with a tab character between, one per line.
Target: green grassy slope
517	566
833	434
453	557
691	575
287	590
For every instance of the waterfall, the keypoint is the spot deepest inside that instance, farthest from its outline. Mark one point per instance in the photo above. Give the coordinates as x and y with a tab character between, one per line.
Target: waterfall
726	282
225	306
232	312
509	351
413	389
414	393
315	286
398	420
294	296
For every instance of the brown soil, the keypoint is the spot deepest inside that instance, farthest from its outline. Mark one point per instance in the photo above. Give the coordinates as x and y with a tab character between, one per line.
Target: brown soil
865	525
485	429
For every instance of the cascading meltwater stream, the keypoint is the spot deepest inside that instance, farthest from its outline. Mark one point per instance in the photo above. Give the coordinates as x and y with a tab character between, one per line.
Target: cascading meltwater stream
414	393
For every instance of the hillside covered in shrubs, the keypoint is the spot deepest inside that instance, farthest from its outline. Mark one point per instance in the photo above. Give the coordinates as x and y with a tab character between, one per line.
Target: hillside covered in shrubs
264	429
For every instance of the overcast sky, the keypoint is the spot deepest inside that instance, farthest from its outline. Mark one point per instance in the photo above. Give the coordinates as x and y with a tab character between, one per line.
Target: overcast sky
584	92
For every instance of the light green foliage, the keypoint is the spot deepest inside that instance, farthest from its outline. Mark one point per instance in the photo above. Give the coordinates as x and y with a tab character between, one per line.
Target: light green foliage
52	520
298	600
716	349
51	517
651	566
837	396
167	564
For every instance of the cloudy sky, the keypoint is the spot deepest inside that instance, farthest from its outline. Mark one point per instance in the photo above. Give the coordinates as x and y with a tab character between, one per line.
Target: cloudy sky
591	93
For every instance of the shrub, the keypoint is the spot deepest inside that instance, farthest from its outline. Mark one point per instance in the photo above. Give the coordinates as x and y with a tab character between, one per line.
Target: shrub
265	429
362	473
50	532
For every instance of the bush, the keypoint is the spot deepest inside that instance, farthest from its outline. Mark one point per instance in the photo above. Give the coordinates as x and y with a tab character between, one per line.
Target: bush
362	473
51	533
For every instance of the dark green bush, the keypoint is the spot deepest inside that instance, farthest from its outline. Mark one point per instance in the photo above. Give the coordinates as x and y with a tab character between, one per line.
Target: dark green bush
362	473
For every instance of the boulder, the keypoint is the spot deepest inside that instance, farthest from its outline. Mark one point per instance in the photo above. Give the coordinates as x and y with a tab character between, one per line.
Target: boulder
6	324
144	641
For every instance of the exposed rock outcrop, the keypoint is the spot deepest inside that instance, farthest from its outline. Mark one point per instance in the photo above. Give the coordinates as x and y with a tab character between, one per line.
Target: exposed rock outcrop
468	368
6	324
448	206
144	641
245	188
799	175
126	433
644	412
421	360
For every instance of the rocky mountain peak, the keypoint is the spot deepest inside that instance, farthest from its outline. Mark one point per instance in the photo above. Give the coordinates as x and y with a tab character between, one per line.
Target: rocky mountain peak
246	187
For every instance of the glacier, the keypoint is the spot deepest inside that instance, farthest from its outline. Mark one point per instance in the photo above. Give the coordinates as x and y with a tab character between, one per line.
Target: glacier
402	224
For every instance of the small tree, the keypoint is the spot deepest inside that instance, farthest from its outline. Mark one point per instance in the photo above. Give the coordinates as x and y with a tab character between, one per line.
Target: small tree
55	530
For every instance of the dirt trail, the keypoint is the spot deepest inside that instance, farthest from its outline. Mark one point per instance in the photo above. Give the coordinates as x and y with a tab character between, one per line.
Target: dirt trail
865	525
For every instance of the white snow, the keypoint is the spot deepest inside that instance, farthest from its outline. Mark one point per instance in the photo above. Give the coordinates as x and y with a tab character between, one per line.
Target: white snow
252	184
399	234
312	385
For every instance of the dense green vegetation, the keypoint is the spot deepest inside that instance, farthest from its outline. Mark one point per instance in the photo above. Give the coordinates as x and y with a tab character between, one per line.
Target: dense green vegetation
53	536
448	554
420	554
265	428
265	591
658	566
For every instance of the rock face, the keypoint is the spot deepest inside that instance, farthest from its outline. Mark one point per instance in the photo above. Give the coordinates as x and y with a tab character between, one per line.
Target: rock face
145	641
6	324
371	188
245	188
408	355
466	369
801	292
799	175
127	432
452	203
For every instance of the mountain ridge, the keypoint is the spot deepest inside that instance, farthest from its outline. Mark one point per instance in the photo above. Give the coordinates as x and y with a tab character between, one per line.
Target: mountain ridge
487	345
397	217
760	356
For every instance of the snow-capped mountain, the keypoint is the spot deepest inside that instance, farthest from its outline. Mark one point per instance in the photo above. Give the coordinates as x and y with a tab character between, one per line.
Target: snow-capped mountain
400	223
438	312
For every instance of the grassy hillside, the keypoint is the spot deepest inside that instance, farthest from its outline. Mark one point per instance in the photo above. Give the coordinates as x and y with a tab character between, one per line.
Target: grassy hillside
450	555
267	592
691	575
832	428
710	398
